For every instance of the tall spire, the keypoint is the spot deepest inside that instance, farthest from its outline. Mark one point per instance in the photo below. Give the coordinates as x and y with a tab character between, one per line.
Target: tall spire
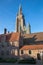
29	24
29	28
20	21
20	9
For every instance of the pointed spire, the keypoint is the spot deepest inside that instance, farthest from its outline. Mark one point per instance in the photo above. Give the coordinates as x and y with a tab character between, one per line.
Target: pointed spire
20	9
29	29
29	24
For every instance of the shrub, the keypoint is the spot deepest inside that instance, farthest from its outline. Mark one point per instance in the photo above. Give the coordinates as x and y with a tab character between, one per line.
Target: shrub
12	60
28	61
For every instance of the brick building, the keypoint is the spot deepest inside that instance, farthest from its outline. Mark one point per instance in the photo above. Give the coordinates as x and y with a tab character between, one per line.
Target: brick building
21	43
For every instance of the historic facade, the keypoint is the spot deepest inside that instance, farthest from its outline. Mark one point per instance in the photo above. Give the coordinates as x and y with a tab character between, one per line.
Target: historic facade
35	51
22	43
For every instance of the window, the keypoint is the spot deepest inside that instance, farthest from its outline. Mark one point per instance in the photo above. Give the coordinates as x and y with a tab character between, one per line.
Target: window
13	51
2	52
38	56
8	44
16	52
13	44
7	52
16	44
2	44
21	51
29	51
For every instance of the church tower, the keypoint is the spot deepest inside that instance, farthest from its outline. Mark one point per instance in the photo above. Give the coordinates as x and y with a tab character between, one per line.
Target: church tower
29	29
20	21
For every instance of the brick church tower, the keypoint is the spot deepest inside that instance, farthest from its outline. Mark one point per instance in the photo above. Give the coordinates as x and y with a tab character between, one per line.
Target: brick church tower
20	21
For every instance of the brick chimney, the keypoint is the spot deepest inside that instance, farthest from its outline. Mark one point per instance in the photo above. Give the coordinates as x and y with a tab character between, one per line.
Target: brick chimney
5	30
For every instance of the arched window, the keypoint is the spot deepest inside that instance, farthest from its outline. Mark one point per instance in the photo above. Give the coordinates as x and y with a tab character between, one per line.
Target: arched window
21	51
38	56
29	51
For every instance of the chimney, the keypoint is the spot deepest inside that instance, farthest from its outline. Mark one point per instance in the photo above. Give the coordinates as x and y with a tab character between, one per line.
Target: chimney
5	30
8	31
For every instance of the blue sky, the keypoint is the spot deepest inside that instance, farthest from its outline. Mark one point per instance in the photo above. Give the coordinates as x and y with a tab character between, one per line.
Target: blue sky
32	10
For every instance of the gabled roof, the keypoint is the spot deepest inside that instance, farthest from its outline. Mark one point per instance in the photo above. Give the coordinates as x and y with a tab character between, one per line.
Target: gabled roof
36	36
10	37
33	38
32	47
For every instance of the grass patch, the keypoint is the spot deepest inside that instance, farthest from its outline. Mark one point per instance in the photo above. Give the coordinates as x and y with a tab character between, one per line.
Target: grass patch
12	60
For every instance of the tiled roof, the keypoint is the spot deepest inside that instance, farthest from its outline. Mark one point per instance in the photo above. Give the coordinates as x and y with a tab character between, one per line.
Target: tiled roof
11	37
36	38
28	38
32	47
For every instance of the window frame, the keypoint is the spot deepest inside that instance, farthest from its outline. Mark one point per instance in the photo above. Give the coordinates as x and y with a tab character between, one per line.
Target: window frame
29	51
21	51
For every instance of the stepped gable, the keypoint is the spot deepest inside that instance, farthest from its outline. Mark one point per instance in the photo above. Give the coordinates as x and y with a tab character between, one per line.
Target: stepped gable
32	47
